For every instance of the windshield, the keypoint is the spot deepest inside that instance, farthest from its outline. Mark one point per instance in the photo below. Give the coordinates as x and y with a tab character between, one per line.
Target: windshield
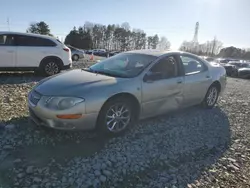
125	65
234	63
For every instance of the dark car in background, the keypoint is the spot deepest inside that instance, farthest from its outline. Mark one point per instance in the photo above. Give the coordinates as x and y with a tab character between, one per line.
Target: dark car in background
237	68
231	67
244	71
112	53
102	52
224	61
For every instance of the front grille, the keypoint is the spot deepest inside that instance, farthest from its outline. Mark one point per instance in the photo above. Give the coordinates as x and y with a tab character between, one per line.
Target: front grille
34	97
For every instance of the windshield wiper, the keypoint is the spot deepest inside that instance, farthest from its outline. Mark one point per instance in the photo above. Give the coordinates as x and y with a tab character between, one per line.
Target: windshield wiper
90	70
104	73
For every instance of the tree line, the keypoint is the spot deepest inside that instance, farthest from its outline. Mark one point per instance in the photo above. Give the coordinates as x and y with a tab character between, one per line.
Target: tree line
209	48
123	37
111	37
114	37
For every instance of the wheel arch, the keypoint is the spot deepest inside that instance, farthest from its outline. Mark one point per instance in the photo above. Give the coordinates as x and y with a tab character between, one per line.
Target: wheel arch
217	84
126	95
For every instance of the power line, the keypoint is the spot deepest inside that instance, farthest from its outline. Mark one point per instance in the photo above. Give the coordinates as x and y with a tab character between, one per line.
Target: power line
8	22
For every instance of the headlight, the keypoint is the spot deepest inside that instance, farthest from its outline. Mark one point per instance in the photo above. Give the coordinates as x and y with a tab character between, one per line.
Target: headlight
61	103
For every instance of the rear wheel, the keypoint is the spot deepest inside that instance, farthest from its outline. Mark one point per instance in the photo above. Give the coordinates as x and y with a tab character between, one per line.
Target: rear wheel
50	67
115	117
211	96
75	57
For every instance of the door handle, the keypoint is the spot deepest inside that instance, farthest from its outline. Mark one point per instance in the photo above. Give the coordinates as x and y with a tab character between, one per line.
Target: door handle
179	81
10	51
207	76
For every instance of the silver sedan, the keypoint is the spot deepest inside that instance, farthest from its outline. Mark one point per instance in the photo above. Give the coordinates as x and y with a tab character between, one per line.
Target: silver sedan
112	94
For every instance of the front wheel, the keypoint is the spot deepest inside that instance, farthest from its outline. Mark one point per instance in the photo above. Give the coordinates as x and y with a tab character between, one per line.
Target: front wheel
211	97
115	117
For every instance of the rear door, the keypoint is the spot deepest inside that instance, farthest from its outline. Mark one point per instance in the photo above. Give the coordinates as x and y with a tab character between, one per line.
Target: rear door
197	79
31	50
164	92
8	51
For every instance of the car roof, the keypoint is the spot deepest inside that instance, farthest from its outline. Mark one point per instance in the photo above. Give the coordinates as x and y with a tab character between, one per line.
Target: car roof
157	53
26	34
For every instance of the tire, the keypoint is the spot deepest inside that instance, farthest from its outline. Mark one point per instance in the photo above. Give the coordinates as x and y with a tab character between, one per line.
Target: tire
211	99
75	57
50	67
119	122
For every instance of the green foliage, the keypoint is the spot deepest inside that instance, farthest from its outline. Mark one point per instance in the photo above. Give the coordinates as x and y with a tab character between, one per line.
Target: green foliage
39	28
110	37
234	52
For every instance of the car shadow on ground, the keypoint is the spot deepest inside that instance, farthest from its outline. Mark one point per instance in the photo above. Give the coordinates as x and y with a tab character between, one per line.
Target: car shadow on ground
186	166
19	77
209	139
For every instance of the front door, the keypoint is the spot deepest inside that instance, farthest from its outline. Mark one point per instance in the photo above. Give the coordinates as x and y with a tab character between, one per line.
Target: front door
162	88
7	51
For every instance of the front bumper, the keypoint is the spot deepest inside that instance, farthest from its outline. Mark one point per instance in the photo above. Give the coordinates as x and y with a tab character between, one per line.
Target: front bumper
44	117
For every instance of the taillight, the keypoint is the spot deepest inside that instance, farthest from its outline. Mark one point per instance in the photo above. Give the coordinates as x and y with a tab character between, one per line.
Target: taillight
66	49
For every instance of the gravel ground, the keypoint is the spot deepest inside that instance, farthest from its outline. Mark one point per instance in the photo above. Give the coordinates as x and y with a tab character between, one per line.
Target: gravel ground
189	148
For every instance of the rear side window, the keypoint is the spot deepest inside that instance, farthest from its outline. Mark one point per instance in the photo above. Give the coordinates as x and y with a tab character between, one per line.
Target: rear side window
33	41
7	40
192	65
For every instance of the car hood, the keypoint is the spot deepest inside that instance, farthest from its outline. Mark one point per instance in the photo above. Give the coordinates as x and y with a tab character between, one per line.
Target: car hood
73	83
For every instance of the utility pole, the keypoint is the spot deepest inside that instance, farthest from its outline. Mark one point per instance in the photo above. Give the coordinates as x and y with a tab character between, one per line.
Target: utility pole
8	22
195	42
214	43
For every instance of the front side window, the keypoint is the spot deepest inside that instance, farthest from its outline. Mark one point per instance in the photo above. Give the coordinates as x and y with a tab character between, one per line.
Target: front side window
192	65
33	41
6	40
165	68
126	65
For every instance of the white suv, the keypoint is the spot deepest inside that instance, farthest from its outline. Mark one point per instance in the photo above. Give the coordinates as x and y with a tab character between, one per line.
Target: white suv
33	52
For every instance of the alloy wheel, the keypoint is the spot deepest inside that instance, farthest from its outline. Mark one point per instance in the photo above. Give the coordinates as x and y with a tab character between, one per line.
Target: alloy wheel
212	96
75	57
51	68
118	117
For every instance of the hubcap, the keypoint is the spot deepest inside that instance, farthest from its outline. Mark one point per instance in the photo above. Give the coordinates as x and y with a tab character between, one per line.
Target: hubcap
118	117
75	57
212	96
51	68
